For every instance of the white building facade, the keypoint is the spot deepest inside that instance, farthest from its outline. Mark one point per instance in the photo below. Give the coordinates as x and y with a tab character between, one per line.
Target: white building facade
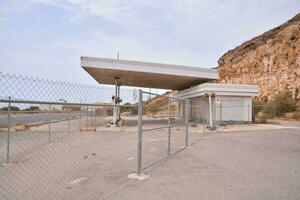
219	102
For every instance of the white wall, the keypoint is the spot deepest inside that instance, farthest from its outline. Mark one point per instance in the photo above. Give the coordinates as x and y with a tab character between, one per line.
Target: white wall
199	109
233	108
224	108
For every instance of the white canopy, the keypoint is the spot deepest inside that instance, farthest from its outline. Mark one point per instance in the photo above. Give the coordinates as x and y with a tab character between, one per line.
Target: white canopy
146	74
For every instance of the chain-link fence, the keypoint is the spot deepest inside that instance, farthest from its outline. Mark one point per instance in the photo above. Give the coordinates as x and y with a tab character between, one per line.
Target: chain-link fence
58	140
36	89
266	109
163	128
61	141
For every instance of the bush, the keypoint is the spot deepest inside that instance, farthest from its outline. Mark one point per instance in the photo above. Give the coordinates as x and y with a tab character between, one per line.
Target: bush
284	103
297	115
32	108
257	106
269	110
12	108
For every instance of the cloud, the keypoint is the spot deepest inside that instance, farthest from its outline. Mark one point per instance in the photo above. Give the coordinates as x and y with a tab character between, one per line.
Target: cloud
142	13
2	25
189	32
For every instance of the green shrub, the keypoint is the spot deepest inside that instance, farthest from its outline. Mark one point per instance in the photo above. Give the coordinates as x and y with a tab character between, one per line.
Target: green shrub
32	108
12	108
269	109
297	115
284	103
257	106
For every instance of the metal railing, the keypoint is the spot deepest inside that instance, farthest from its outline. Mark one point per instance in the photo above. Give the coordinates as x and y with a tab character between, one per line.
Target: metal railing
162	129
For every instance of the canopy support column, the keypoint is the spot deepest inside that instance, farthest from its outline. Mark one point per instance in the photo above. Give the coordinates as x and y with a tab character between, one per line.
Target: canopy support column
211	126
210	111
116	102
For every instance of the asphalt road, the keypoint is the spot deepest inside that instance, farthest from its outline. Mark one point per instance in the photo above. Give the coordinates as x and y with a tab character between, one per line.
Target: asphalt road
36	118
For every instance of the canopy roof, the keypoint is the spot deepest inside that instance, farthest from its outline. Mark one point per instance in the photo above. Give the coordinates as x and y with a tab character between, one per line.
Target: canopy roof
219	89
146	74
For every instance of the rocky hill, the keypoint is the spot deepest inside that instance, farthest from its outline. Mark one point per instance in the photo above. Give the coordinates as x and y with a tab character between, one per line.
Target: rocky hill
271	60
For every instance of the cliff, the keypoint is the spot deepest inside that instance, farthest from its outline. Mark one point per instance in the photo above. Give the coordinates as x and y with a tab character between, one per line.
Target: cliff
271	60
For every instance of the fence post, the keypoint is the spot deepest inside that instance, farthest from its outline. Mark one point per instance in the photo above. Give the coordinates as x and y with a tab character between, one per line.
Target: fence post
87	116
8	129
252	112
79	118
220	110
204	124
169	126
69	121
248	112
187	114
95	116
274	110
140	133
49	124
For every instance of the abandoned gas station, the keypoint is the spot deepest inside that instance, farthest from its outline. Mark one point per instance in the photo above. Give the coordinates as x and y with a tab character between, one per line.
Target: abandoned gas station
210	102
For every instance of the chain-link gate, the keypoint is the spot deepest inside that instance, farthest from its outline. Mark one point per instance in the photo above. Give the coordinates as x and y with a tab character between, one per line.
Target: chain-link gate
162	128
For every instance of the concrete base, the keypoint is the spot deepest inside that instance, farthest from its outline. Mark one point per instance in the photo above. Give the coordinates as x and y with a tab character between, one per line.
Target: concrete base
140	177
212	128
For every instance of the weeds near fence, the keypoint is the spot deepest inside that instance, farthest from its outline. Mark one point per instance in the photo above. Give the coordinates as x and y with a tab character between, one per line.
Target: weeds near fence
281	104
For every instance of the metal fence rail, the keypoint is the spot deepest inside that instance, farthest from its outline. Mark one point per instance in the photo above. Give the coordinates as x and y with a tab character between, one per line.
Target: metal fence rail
36	89
165	110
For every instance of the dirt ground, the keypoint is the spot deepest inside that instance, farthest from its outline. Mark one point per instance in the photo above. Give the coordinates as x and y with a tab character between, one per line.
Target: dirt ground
254	162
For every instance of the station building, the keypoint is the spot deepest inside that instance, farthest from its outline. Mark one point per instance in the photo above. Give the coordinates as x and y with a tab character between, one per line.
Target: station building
209	101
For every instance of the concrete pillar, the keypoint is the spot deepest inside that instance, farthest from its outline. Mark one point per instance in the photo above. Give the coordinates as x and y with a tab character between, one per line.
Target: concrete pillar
115	105
210	111
116	102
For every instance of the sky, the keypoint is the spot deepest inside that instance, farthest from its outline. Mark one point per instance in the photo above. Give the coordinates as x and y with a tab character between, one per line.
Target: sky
45	38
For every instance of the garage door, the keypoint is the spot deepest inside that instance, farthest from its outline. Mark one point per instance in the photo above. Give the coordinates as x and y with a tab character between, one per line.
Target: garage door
232	110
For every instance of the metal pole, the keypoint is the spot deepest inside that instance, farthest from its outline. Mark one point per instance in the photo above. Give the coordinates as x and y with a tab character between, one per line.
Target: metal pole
115	103
203	128
274	110
252	111
248	113
69	122
210	111
187	114
87	116
118	108
95	115
80	118
49	124
8	129
221	111
140	133
169	127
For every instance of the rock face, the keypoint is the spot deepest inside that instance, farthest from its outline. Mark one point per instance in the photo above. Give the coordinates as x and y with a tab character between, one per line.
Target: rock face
271	60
